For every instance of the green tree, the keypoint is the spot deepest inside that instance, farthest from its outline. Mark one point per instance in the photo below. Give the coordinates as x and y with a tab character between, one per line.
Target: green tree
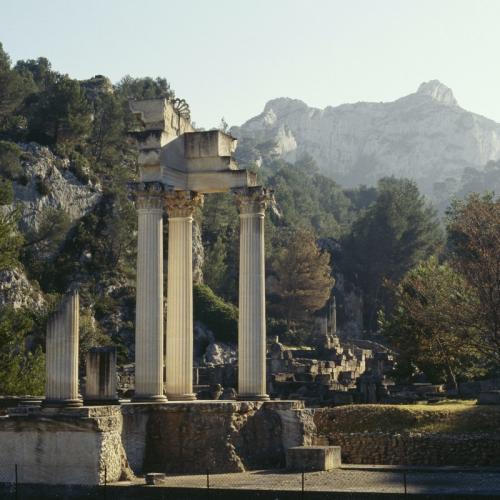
10	163
433	325
144	88
59	116
219	316
12	87
39	71
11	241
21	371
389	238
300	279
474	245
108	136
214	265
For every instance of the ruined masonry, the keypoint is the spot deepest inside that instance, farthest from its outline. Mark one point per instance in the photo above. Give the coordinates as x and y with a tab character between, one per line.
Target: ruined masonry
67	441
178	166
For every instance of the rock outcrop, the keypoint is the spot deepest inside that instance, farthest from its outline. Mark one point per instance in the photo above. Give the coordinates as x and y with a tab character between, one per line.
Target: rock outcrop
426	136
16	291
48	182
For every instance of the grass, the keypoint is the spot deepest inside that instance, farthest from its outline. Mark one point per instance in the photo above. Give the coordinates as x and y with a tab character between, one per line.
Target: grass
445	417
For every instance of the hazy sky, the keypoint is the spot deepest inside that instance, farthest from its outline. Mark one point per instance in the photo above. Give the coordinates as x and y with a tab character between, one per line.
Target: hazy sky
228	57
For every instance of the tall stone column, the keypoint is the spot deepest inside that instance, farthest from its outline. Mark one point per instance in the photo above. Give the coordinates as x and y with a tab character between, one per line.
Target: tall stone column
149	303
252	203
180	206
61	354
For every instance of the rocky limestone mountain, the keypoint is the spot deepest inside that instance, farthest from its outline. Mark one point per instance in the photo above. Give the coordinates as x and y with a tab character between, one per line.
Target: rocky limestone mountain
426	136
16	291
50	183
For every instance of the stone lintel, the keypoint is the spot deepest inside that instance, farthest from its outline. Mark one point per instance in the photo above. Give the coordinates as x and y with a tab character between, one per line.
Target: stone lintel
208	144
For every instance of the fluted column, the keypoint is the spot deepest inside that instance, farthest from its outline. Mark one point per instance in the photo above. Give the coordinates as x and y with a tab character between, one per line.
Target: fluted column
149	303
252	204
100	379
61	354
180	206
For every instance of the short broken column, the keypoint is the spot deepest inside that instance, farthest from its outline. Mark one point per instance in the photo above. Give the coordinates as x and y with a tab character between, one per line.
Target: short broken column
252	203
61	354
100	382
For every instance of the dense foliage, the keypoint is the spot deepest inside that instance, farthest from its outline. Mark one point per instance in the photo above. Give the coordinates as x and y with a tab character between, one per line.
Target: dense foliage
377	240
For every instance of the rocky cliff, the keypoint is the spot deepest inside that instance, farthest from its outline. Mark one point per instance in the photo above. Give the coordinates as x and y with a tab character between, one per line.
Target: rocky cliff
426	136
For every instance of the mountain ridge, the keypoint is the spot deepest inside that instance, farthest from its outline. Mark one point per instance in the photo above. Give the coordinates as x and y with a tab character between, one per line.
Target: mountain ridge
425	135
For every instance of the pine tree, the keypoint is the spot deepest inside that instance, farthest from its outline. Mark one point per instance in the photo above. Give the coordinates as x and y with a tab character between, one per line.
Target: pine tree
301	280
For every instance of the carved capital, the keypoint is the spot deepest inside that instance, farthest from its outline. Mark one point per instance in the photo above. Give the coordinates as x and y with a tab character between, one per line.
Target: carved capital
182	203
148	195
253	200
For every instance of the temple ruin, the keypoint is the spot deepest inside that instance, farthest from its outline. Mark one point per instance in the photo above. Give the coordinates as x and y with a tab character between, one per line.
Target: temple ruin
177	167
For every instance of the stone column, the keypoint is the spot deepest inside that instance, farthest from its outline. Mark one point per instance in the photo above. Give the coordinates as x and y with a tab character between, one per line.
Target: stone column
180	206
100	380
149	303
252	203
61	354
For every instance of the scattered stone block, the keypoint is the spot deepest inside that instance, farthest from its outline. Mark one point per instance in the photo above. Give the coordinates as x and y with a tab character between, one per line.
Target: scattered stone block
153	478
313	458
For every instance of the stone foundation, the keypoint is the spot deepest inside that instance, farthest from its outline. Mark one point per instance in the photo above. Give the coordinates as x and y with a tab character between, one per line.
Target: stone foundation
63	446
92	445
219	436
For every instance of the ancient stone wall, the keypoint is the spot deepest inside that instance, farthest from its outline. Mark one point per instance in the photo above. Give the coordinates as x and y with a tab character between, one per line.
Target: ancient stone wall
220	436
412	434
418	448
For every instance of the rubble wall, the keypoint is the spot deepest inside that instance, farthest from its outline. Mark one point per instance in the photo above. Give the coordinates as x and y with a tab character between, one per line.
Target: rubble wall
219	436
454	434
480	449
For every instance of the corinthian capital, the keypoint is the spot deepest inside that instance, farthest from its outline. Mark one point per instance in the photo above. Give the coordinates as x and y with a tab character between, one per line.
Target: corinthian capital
253	200
148	195
182	203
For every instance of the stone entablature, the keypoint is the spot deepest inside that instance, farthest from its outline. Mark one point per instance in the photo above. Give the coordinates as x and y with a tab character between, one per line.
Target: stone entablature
177	165
172	152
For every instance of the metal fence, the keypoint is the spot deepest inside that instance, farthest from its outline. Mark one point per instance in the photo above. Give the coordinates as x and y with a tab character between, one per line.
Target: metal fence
17	482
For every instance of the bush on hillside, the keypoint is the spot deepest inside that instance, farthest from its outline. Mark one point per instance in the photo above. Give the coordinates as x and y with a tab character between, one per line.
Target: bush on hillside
219	316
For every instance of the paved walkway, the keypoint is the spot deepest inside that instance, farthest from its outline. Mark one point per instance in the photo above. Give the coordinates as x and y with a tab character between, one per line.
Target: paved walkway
359	479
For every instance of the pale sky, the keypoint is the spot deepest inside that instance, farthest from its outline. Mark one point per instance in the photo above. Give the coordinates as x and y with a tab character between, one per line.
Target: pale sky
229	57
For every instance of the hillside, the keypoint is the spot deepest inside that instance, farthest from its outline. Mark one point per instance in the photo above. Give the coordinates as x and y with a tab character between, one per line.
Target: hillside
425	136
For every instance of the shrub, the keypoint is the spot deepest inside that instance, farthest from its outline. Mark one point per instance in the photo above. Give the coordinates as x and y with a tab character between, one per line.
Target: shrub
80	167
10	164
43	187
6	192
219	316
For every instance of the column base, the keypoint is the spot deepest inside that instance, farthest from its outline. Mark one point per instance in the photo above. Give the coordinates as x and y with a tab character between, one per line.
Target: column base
253	397
62	403
181	397
159	398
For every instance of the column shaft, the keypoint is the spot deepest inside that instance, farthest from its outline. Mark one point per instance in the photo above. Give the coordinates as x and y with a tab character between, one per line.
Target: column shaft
179	337
61	387
149	304
100	380
252	306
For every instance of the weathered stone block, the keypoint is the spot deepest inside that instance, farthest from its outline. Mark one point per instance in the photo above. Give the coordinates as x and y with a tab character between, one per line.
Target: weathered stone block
153	478
313	458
